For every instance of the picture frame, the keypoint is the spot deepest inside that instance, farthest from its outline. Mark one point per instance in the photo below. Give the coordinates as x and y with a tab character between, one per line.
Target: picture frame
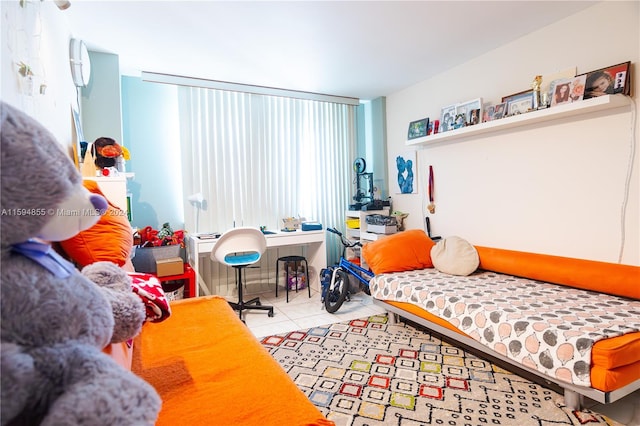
518	103
608	81
568	90
474	117
488	113
548	79
418	129
467	108
499	111
447	118
460	121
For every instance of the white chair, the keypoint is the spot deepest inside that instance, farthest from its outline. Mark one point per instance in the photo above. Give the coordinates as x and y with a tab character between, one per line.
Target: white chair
239	248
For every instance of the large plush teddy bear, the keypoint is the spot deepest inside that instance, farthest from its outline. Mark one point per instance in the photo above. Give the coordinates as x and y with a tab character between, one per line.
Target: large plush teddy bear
55	321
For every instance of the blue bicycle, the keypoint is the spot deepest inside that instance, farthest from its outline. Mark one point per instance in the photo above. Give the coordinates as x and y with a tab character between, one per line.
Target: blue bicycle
335	279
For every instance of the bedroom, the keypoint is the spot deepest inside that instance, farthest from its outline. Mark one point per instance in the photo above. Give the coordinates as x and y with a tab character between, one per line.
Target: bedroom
556	191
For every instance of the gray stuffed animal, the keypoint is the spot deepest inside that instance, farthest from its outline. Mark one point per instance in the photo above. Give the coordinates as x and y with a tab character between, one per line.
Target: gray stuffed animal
54	320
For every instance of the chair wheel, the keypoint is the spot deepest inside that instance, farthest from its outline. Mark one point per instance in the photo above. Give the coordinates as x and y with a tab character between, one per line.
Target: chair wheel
270	314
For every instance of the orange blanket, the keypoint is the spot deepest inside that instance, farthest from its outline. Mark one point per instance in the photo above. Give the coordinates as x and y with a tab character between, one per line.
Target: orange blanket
209	369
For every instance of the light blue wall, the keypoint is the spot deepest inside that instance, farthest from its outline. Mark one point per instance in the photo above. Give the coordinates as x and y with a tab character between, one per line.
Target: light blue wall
151	133
372	142
100	99
378	146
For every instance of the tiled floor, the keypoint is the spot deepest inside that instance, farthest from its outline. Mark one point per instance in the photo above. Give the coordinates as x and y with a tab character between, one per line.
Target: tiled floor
303	312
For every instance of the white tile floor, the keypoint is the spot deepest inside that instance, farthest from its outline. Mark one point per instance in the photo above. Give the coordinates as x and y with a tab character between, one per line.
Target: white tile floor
303	312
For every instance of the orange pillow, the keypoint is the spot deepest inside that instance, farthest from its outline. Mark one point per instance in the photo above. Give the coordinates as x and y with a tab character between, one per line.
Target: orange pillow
612	278
399	252
110	239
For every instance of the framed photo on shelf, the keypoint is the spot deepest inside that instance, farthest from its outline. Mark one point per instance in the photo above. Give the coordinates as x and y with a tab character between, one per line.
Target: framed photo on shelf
518	103
499	111
466	109
608	81
488	113
548	79
568	90
460	121
474	117
447	118
418	129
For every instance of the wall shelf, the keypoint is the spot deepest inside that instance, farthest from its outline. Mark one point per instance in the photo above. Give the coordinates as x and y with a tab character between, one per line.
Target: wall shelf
600	103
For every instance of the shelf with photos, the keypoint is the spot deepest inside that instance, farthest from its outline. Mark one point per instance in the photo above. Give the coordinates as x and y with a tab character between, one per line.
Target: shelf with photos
561	111
462	121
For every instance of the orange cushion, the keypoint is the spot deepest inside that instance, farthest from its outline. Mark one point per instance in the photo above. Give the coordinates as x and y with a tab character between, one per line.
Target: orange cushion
209	368
610	380
617	352
110	239
611	278
399	252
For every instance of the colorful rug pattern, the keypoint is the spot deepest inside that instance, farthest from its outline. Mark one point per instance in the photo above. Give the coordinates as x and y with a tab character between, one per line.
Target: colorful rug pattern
369	372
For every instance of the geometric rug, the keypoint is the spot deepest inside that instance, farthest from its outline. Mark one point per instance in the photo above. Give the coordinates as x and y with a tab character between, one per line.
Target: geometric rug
369	372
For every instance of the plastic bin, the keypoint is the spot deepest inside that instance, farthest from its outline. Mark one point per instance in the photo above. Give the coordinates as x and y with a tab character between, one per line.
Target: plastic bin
353	223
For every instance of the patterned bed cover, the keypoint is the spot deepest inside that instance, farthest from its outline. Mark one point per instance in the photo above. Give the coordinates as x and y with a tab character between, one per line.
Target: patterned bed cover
547	327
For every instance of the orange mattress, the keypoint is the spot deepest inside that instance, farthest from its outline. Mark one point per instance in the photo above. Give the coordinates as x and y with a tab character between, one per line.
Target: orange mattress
614	361
209	369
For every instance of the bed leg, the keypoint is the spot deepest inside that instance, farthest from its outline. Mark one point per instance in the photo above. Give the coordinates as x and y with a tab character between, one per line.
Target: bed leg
572	399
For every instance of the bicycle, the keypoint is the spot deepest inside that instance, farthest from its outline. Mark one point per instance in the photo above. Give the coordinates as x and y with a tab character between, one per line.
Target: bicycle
335	279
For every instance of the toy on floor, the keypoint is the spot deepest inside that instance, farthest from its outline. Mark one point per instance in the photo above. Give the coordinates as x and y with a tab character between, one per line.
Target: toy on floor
297	279
55	321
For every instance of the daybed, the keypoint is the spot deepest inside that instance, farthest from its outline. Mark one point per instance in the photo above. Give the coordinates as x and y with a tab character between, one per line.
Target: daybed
203	361
209	369
570	322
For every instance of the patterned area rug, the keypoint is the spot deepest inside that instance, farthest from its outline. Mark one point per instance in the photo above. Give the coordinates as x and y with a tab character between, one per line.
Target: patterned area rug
369	372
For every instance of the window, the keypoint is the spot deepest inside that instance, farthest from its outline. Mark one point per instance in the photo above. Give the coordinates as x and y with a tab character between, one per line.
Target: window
257	159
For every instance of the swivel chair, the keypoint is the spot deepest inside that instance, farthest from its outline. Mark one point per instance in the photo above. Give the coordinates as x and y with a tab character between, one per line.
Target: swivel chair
239	248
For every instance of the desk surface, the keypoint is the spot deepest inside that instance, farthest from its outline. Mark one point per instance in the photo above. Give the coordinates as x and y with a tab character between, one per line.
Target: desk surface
313	240
275	239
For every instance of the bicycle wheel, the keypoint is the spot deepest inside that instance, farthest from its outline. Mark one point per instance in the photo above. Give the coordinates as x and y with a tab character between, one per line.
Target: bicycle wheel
337	291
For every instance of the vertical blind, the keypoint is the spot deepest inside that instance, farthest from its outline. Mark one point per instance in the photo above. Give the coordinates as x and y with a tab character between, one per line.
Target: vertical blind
257	159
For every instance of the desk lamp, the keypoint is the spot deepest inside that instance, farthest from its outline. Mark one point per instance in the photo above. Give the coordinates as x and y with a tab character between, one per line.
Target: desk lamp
198	201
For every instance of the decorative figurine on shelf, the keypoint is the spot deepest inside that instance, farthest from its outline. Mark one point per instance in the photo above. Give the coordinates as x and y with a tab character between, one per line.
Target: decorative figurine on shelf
400	217
535	85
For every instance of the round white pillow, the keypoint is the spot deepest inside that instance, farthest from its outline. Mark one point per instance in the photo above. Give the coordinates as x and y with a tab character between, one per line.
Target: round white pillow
455	256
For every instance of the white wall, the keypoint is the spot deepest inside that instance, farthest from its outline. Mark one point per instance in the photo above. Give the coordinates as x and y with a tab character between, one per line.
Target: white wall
556	188
38	34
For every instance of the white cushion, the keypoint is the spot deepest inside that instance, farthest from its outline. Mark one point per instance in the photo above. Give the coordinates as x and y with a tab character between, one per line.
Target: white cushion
455	256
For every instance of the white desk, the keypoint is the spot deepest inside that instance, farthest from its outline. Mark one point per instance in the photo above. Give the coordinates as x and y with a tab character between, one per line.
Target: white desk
314	240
